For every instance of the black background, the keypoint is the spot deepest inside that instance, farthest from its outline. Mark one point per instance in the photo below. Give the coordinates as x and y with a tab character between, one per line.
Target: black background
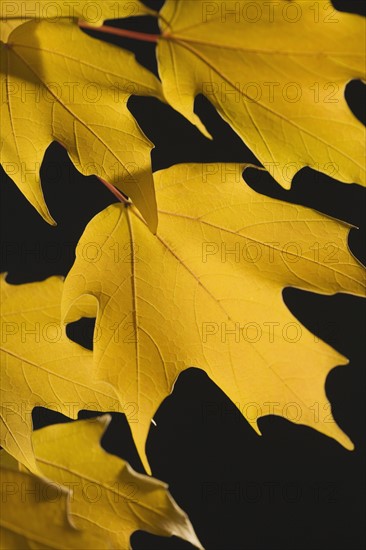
292	488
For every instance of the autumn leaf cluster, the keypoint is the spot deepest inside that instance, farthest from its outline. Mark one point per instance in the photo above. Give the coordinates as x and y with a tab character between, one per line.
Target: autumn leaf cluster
205	258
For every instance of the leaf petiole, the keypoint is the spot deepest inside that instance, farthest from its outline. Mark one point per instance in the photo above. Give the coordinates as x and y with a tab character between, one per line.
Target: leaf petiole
116	193
121	32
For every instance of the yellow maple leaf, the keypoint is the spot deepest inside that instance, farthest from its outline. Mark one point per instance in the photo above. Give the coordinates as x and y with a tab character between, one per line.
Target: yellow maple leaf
61	85
40	366
206	291
34	514
108	497
276	72
13	14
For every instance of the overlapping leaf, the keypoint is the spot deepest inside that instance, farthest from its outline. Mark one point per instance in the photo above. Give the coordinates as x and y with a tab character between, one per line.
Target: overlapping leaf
34	515
13	14
206	291
58	84
8	462
276	72
40	366
109	499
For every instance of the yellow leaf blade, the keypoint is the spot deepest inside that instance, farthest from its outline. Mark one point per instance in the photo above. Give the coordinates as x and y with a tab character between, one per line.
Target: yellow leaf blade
13	14
61	85
206	291
34	515
276	73
123	501
40	366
